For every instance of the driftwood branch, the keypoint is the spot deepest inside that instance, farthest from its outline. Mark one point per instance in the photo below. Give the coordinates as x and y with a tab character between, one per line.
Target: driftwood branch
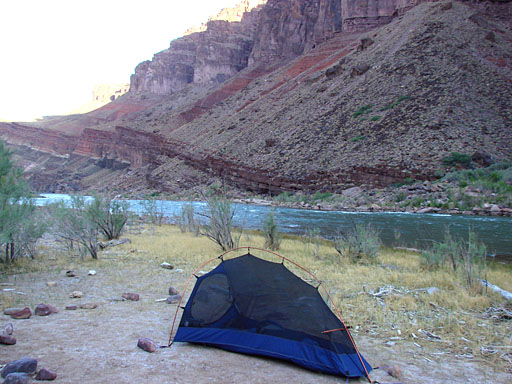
506	294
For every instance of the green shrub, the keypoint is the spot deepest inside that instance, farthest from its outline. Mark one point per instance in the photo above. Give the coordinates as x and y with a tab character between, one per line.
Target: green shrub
363	110
322	196
154	210
270	232
74	225
187	221
361	241
110	215
457	158
465	258
357	138
375	118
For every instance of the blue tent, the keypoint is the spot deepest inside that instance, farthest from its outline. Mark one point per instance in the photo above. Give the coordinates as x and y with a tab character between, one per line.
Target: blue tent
253	306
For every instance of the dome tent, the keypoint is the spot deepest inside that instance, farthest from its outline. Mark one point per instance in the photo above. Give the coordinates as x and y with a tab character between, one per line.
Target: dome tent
254	306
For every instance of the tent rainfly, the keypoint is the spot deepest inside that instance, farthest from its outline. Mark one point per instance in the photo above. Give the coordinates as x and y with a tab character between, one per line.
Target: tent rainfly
253	306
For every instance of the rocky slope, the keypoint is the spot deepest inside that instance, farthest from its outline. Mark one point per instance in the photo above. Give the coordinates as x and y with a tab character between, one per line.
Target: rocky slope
298	95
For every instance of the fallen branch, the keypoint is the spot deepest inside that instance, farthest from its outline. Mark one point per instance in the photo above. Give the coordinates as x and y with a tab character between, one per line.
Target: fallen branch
506	294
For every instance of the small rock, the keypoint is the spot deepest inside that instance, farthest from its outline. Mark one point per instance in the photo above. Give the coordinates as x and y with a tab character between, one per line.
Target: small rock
432	290
45	374
166	265
146	344
25	313
9	329
51	284
130	296
491	37
173	291
390	343
76	294
11	311
45	310
7	340
88	306
71	307
425	210
394	371
445	7
92	272
25	364
16	378
70	273
174	299
179	270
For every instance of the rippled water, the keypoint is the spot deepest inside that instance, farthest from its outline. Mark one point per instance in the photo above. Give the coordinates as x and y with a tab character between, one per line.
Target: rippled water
404	229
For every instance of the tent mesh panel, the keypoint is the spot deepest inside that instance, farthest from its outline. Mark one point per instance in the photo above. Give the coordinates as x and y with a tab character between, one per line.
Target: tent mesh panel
254	295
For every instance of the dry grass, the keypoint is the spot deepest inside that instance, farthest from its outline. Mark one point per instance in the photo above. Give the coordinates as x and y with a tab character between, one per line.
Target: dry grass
453	314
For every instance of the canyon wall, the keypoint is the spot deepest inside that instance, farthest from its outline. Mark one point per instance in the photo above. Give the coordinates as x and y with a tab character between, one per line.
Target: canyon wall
267	32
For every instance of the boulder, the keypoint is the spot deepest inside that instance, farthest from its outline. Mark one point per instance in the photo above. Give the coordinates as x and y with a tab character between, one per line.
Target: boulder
7	340
352	192
45	310
364	43
76	294
25	313
175	299
51	284
70	273
173	291
360	69
425	210
130	296
25	365
71	307
16	378
146	344
88	306
46	375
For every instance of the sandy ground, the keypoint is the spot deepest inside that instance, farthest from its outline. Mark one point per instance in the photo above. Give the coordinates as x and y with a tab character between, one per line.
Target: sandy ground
100	345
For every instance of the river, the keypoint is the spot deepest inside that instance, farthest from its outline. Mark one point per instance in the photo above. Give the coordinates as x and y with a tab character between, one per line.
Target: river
396	228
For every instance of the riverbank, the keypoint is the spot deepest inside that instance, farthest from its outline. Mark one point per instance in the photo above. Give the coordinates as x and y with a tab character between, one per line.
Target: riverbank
395	319
482	192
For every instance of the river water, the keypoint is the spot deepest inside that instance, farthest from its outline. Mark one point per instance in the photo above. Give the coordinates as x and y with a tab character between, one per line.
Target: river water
396	228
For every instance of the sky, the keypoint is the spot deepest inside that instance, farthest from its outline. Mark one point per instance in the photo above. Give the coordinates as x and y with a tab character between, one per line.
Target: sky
53	52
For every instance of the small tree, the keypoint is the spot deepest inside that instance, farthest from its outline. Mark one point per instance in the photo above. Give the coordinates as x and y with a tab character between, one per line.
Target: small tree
19	228
219	227
272	236
108	215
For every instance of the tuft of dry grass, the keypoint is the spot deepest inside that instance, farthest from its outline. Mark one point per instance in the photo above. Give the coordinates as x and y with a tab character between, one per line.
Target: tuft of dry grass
453	314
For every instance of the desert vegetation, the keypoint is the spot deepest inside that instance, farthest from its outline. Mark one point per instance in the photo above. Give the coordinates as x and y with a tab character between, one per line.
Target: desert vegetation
396	298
